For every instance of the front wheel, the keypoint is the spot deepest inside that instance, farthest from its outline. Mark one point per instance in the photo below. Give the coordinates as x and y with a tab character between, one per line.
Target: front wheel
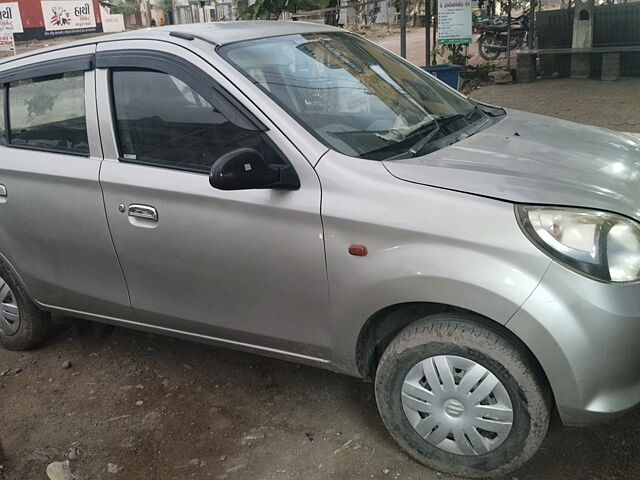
461	398
484	44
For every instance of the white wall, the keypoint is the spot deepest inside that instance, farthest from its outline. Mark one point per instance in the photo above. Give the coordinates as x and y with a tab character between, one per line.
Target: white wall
111	23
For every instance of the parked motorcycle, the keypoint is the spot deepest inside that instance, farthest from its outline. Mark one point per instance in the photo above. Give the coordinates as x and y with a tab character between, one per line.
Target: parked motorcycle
493	35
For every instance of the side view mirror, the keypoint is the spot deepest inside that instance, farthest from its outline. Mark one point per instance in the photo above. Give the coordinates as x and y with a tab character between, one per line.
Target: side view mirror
245	169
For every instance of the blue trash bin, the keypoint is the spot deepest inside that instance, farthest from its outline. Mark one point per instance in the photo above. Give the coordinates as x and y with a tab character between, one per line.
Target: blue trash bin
449	74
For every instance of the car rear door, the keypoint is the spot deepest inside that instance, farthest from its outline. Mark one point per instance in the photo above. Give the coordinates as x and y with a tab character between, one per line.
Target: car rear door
243	267
53	227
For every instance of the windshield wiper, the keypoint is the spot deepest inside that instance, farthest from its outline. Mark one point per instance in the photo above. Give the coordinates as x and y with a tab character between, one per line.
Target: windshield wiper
401	134
417	147
420	144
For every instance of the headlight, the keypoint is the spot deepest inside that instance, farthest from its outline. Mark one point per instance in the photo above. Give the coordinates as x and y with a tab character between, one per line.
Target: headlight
601	245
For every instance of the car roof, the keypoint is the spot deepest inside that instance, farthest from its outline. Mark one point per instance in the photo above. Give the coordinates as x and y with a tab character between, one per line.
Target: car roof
218	33
222	33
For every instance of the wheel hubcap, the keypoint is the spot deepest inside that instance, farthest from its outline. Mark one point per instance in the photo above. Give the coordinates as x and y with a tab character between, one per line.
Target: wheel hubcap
457	405
9	313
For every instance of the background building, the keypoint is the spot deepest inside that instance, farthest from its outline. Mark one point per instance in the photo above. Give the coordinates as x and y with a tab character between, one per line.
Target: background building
34	19
195	11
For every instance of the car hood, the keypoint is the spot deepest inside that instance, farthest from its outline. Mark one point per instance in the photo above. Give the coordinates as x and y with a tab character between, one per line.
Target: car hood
528	158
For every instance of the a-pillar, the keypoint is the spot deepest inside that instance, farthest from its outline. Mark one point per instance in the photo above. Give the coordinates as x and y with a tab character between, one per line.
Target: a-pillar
582	38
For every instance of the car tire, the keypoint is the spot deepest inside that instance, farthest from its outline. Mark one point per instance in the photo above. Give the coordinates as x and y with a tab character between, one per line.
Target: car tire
22	324
448	348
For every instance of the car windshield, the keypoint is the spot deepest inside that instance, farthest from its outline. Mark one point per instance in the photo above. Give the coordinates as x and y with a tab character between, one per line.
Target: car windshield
351	94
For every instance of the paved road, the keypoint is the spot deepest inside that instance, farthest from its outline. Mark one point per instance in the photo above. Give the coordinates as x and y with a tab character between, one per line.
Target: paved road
613	105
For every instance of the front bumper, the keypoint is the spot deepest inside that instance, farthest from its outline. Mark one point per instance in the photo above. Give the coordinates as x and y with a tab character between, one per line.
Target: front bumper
586	336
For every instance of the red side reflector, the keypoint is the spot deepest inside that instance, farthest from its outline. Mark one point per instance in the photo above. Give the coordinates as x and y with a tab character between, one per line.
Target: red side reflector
358	250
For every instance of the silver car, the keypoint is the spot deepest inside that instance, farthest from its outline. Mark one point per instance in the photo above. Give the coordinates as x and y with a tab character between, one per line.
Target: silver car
294	190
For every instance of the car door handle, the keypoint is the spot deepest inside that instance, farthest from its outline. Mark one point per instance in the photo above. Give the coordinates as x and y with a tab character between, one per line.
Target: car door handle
3	190
143	211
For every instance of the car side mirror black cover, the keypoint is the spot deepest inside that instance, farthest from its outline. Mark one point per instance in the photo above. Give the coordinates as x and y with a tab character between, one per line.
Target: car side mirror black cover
245	169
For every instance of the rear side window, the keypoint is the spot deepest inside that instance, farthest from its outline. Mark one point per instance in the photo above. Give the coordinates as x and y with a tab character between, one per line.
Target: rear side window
162	121
47	113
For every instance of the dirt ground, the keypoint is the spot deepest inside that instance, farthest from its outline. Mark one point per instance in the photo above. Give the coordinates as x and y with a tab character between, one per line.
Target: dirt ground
161	408
151	407
416	45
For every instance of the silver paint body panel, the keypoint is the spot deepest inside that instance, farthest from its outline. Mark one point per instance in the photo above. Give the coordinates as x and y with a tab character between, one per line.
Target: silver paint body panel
53	228
531	158
268	271
585	335
219	263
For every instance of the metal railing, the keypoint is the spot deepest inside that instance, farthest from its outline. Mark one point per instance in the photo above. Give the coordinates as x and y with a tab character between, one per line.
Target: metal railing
613	26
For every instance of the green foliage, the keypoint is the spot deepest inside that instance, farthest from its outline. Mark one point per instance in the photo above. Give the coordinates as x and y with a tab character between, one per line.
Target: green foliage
165	5
123	6
307	5
454	53
480	71
483	67
264	9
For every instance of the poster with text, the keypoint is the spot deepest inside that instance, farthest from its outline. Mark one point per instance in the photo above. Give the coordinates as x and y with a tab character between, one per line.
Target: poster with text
68	15
7	44
10	20
454	21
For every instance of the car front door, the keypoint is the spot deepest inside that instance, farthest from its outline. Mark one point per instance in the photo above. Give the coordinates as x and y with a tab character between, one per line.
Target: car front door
245	267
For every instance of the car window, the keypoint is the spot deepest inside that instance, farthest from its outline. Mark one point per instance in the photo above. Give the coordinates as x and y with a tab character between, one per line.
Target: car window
47	113
162	121
351	94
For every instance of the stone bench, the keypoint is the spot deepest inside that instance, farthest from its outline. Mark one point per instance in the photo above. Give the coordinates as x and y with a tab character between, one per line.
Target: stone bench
580	61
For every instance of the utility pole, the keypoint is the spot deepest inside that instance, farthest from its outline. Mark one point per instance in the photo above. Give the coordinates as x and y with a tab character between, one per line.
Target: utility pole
427	32
435	28
509	36
532	23
403	28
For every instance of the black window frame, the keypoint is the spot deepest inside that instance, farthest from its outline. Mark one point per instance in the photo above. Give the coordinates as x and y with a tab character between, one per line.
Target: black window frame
60	66
4	138
192	76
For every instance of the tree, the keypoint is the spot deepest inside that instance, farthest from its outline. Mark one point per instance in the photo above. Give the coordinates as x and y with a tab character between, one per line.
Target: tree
125	7
165	5
307	5
264	9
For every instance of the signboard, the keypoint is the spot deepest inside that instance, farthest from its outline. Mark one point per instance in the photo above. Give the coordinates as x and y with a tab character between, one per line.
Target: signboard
68	15
7	44
10	20
454	21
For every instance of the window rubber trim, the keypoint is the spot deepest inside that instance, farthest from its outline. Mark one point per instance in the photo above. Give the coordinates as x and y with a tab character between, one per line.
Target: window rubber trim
77	63
185	71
